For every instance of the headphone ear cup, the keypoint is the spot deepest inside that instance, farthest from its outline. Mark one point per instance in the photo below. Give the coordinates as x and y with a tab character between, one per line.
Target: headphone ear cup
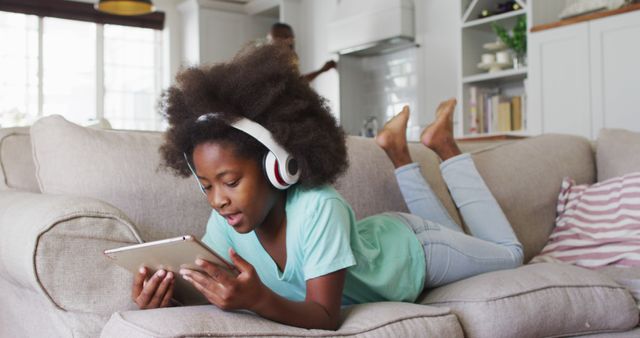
273	172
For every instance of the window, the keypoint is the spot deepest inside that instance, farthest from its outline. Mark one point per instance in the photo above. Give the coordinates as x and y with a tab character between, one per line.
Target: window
81	70
69	69
19	69
131	60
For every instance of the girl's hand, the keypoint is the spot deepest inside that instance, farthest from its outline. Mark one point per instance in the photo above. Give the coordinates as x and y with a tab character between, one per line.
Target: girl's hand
224	290
154	291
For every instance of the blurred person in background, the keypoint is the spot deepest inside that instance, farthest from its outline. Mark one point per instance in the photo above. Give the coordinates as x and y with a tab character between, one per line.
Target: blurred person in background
282	33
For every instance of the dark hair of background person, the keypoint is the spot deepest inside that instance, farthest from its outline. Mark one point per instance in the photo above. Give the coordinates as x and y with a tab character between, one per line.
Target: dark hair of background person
261	84
282	26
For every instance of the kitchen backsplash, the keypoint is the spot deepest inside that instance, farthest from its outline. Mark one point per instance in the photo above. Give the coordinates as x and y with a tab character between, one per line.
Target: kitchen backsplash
374	88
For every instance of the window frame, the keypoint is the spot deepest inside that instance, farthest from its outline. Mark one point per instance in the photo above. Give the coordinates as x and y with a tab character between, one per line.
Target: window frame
81	11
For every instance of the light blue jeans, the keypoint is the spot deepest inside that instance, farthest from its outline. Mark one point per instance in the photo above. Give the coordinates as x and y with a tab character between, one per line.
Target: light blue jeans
451	254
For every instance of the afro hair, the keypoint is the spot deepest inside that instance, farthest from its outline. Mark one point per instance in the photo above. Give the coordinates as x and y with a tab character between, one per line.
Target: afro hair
264	85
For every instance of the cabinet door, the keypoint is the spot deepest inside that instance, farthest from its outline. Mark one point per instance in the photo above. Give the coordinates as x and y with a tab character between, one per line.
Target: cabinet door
615	82
558	88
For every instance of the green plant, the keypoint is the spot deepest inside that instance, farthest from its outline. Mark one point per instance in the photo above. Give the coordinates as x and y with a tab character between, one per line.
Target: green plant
517	39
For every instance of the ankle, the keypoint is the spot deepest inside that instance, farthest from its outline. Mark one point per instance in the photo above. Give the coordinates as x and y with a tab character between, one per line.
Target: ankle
447	151
399	157
401	162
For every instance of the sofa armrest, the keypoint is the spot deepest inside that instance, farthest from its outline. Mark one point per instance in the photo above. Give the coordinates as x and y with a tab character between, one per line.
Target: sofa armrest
52	245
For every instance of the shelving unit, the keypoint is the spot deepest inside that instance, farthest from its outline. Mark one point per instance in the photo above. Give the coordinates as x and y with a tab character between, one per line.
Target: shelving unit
572	83
474	33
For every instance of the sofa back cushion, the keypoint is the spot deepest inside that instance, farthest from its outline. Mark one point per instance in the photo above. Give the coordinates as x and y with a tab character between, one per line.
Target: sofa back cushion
17	170
525	178
122	169
370	185
523	175
617	153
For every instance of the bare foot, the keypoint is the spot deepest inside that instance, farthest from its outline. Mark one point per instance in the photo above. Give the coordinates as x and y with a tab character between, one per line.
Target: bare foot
438	136
393	138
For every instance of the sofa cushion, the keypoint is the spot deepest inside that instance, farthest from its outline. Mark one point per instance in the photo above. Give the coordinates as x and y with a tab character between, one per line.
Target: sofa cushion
597	225
617	153
17	170
629	277
635	333
537	300
370	185
525	177
387	319
122	169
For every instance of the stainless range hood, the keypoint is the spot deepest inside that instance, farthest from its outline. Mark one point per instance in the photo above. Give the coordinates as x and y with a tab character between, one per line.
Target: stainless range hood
372	27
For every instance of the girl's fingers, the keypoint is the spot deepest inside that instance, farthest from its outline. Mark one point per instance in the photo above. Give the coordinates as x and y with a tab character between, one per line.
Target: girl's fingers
213	271
239	262
160	292
149	289
138	283
203	279
212	296
167	296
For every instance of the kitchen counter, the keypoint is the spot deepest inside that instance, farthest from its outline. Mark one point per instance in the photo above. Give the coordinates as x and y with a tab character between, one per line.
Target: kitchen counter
586	17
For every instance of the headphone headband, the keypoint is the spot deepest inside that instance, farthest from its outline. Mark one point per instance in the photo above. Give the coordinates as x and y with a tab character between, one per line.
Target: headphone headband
287	169
263	136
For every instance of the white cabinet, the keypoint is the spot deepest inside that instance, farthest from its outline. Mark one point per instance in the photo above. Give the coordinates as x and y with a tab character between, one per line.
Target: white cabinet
559	81
615	72
584	77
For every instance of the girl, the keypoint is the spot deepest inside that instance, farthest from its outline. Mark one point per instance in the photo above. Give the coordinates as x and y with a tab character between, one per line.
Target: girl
299	251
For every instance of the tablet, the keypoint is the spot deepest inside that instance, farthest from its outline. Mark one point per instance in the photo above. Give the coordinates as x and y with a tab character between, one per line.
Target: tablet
171	255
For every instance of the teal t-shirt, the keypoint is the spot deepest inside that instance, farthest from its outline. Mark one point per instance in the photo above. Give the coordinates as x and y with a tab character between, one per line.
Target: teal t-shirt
384	259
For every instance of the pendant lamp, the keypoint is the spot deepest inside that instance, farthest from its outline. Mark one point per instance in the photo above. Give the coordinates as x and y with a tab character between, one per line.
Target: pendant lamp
125	7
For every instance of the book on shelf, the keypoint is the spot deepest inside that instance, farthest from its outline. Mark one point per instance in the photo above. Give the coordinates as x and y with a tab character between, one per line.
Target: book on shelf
504	116
516	113
473	110
492	112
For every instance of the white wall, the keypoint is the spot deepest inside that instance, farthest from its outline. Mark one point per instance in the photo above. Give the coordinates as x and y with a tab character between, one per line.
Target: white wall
214	31
315	52
172	39
437	32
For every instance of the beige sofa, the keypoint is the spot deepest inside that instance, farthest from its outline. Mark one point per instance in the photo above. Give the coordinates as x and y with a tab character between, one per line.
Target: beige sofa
67	193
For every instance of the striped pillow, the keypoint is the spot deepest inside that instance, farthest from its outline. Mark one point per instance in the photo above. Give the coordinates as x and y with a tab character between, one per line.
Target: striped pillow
597	225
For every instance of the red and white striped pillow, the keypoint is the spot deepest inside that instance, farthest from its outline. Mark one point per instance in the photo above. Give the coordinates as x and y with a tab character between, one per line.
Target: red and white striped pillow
597	225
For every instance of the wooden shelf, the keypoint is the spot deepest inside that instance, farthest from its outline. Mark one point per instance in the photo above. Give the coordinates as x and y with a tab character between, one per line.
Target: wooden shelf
586	17
509	135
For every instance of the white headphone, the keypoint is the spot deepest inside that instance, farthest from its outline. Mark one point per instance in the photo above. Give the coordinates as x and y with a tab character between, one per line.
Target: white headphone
281	168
